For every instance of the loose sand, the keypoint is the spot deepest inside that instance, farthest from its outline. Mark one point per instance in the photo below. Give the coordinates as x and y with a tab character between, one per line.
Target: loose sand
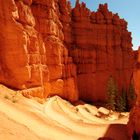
56	119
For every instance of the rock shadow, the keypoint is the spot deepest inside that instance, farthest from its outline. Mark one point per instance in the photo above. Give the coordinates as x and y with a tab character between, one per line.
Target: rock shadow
116	132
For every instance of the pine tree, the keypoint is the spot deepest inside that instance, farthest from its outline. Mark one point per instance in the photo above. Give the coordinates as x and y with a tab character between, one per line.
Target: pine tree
121	102
131	96
132	92
112	93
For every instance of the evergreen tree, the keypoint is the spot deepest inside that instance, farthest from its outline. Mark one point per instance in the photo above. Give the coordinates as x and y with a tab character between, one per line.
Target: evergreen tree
121	102
112	93
131	96
132	93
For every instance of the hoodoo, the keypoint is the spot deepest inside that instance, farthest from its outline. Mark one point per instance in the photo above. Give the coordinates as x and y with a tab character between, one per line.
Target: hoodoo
48	48
100	46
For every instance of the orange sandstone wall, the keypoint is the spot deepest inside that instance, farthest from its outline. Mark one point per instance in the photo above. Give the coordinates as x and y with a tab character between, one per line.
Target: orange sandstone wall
52	49
32	53
134	119
62	71
100	46
22	51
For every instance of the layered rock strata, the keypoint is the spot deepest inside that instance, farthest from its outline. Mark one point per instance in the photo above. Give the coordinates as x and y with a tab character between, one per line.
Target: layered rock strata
62	71
22	51
134	119
32	52
52	49
100	46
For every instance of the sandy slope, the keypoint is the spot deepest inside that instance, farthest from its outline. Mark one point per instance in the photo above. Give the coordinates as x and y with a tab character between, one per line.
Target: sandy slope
56	119
11	130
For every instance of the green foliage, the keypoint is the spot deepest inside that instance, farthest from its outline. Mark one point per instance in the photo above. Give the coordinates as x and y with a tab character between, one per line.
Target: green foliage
131	96
12	98
132	93
112	93
121	102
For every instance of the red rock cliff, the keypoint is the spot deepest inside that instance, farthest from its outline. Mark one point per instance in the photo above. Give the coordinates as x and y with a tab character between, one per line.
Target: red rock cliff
50	48
100	46
134	119
32	52
62	71
22	51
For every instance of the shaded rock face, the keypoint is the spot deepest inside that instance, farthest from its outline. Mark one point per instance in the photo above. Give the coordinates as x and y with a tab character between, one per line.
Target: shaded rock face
100	46
134	119
52	49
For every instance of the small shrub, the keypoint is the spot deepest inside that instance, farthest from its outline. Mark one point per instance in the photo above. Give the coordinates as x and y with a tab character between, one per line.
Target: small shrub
6	97
87	110
14	100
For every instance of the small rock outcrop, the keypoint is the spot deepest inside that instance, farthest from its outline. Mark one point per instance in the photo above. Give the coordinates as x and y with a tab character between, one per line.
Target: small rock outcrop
48	48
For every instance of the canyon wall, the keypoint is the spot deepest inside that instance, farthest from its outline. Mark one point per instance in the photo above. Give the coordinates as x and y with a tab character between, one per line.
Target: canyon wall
22	51
100	46
32	52
48	48
134	119
62	70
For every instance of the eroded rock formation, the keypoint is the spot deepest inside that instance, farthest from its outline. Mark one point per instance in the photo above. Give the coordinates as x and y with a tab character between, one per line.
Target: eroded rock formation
22	51
52	49
100	46
134	119
32	52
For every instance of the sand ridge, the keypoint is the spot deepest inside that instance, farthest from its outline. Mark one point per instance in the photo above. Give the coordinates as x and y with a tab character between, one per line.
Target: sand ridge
56	119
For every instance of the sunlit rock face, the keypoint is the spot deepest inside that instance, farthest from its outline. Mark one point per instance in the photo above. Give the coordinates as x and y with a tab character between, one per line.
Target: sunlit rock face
47	48
134	119
100	46
32	52
62	70
22	51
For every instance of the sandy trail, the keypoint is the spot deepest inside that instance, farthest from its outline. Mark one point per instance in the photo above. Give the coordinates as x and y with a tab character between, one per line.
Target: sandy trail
89	116
75	125
11	130
56	119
